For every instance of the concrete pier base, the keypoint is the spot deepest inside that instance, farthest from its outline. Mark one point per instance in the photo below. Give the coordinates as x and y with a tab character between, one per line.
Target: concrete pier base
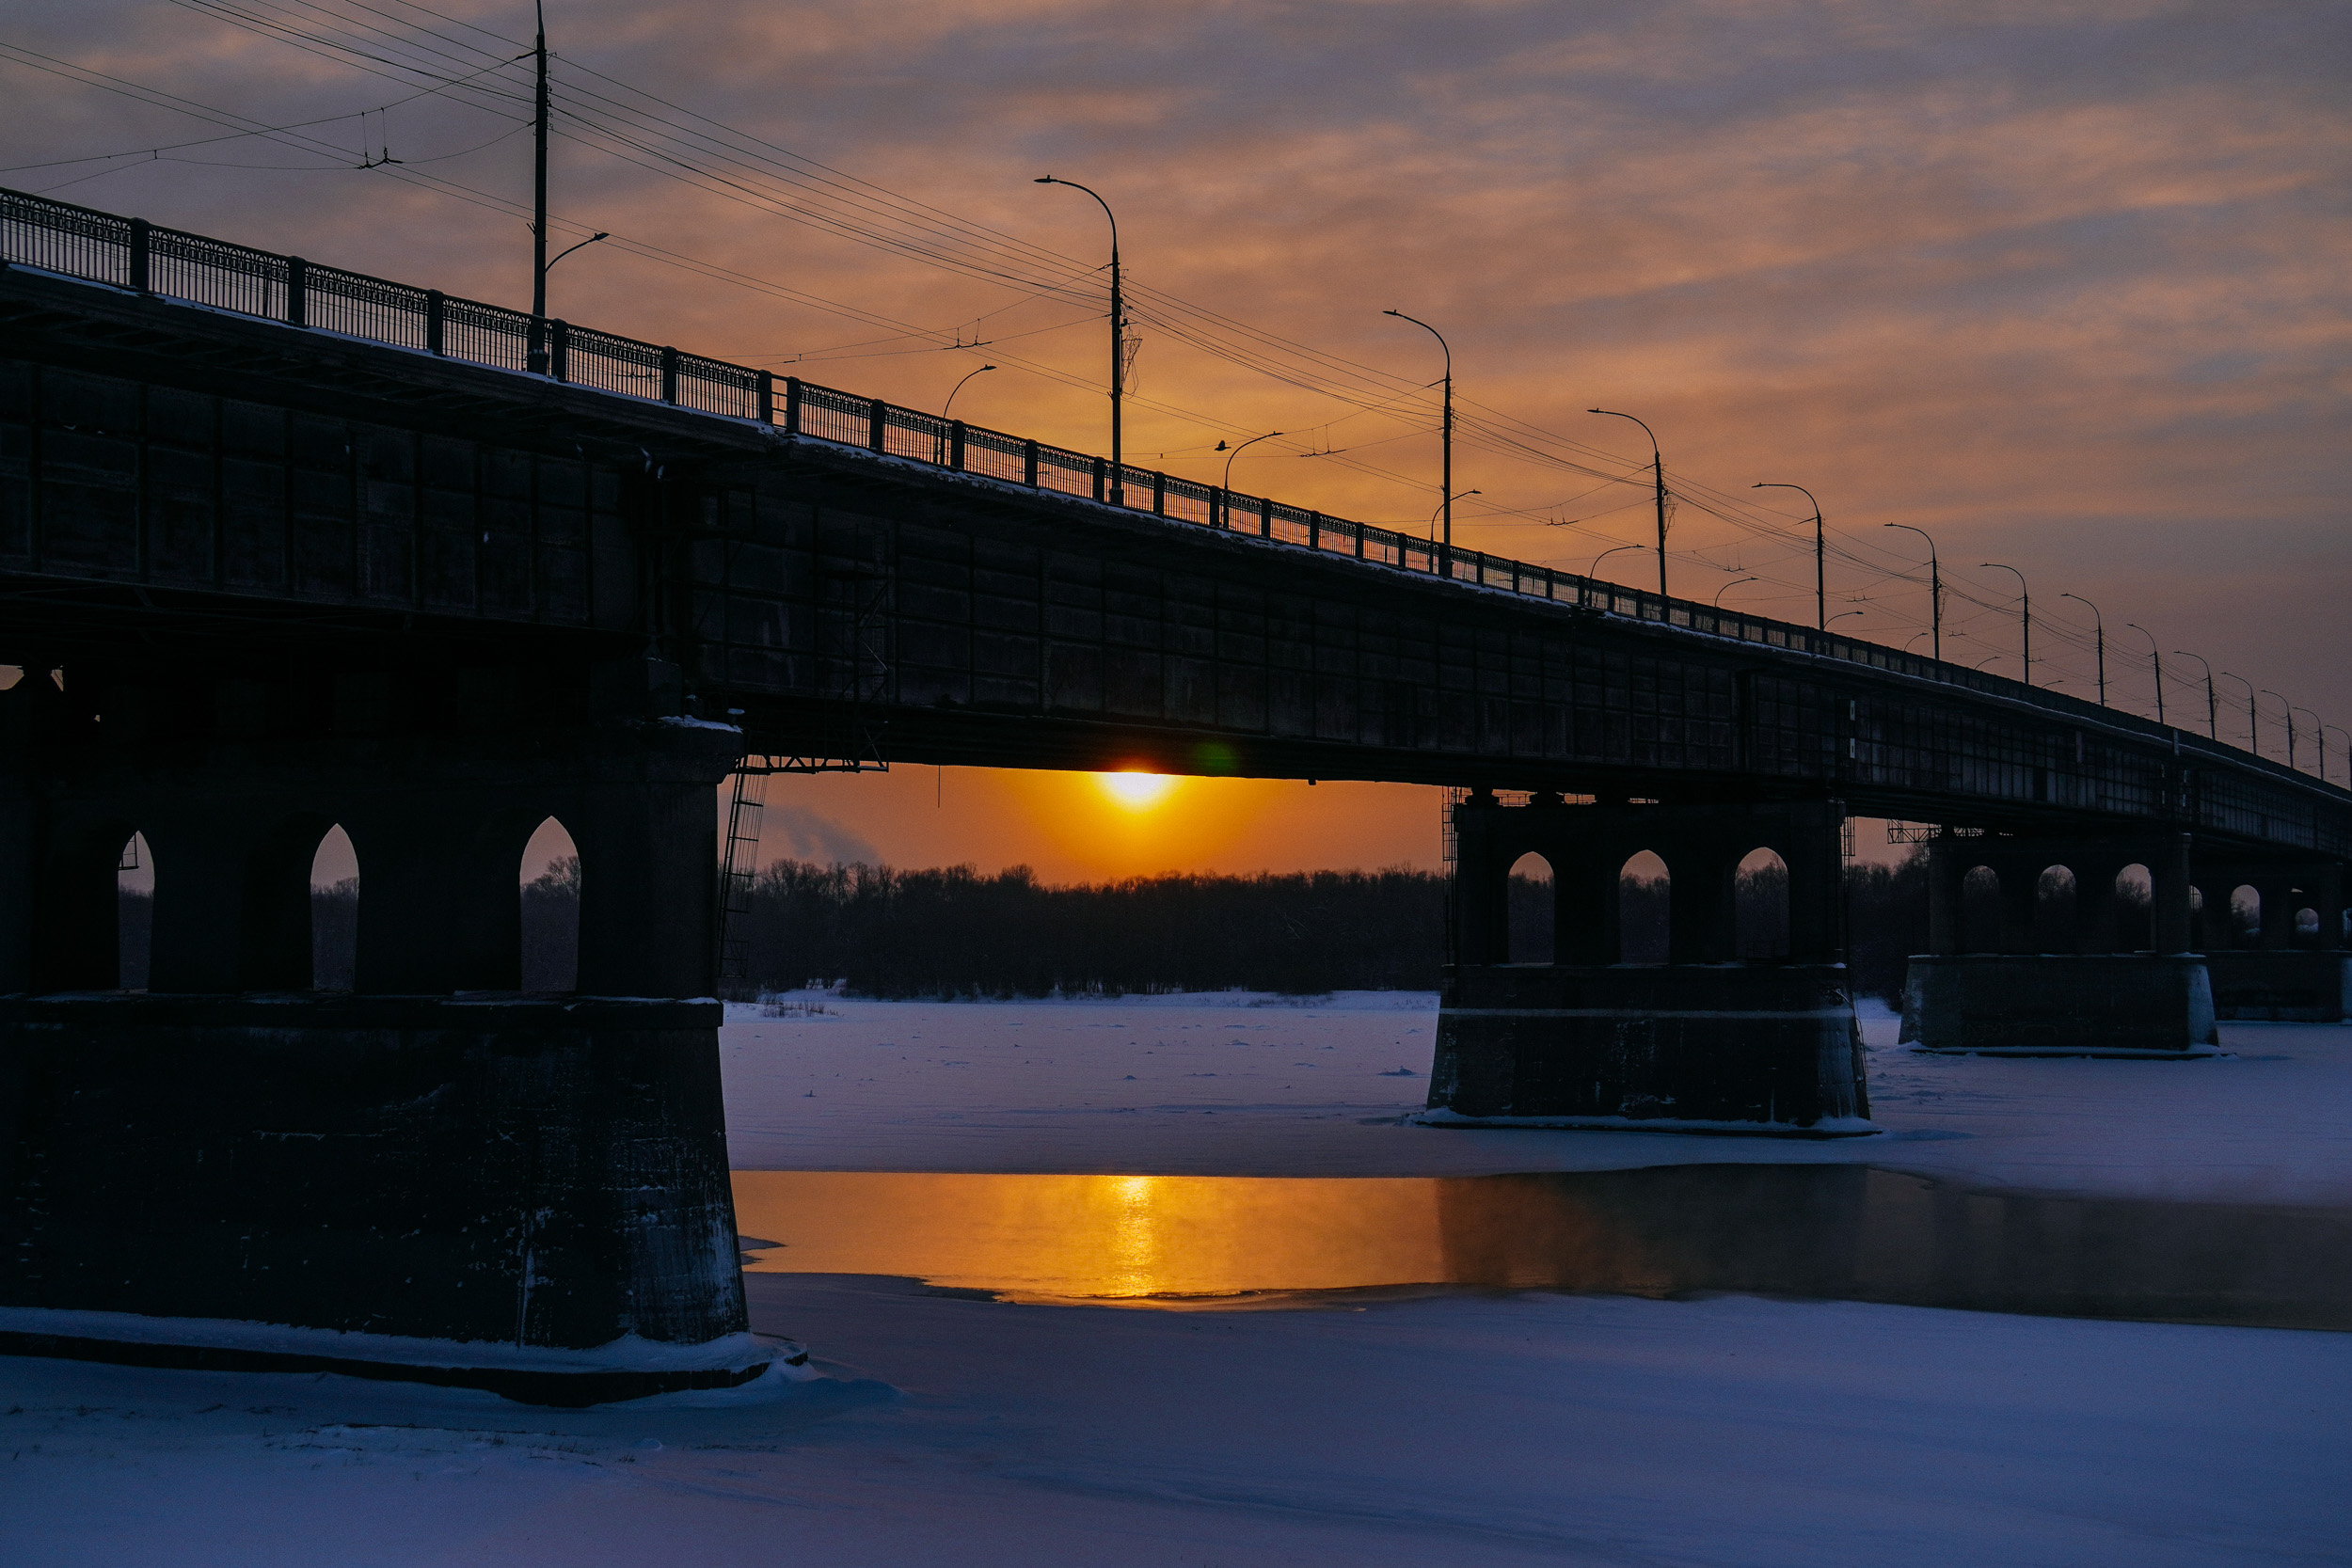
2059	1004
528	1194
2282	986
1767	1049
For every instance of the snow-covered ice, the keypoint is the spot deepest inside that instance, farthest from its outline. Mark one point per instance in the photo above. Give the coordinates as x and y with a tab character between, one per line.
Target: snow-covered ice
1240	1085
1461	1428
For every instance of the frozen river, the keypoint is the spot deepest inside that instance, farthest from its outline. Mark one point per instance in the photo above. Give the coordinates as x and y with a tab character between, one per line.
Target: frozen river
1664	1422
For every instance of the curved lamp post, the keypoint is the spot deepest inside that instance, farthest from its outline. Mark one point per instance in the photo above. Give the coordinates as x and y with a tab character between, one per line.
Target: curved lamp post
1446	481
1935	588
2213	708
1728	587
2025	617
1464	496
2321	736
1605	554
2099	622
2158	659
1119	335
2288	709
1820	568
1236	452
2254	730
1658	471
949	406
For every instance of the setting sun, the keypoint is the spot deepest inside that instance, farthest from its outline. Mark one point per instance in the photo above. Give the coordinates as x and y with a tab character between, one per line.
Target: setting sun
1136	791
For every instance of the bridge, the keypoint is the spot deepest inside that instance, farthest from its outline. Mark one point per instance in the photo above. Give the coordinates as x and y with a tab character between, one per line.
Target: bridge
298	547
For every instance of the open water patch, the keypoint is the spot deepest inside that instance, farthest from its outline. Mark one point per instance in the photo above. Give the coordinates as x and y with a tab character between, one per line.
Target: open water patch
1837	1232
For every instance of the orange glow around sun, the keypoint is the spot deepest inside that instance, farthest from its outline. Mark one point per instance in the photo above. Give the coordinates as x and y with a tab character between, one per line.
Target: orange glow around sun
1136	791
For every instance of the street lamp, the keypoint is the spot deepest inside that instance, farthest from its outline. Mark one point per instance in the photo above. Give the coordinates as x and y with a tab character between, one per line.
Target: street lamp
1728	587
1935	588
2290	714
1236	452
1841	615
2099	622
2323	741
1118	340
949	406
1464	496
1658	470
2253	731
939	441
2213	708
1445	557
1821	569
1605	554
2024	616
2158	659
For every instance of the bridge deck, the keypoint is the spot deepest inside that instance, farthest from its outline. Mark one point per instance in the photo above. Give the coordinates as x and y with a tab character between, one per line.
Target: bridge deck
387	482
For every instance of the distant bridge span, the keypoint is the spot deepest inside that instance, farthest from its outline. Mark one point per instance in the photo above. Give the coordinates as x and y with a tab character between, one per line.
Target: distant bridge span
191	493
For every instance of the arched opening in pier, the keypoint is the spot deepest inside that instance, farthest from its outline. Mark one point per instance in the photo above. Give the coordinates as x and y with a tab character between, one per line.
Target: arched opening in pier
2306	926
1528	912
551	911
135	912
1645	911
334	911
1759	908
2134	896
2055	908
2246	915
1980	911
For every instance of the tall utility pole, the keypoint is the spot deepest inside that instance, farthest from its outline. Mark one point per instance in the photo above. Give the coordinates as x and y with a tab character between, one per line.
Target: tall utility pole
2100	641
2213	705
1658	473
1820	568
2025	615
539	206
1445	566
2158	659
1935	592
1119	343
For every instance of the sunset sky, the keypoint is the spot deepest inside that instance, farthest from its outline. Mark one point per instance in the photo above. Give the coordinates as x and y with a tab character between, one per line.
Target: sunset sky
2061	284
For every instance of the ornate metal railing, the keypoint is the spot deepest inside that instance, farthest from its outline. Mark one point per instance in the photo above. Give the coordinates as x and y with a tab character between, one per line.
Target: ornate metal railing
133	255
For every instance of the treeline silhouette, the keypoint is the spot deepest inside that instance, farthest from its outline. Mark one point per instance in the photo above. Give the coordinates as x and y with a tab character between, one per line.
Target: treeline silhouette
952	931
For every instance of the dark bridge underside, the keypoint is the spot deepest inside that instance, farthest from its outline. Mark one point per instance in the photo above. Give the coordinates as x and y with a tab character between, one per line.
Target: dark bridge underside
222	528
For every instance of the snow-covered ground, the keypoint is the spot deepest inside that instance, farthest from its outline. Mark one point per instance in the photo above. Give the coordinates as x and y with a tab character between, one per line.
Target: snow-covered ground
1240	1085
1462	1428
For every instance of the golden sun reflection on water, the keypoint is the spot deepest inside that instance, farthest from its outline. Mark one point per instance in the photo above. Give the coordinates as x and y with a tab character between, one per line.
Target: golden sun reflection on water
1101	1235
1847	1232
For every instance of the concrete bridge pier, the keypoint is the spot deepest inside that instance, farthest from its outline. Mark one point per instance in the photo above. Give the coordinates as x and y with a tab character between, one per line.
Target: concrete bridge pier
1731	1013
2292	965
2041	947
434	1176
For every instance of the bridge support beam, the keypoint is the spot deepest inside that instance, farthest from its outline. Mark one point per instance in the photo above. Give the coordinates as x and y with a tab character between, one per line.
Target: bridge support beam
2047	946
1705	1041
437	1177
